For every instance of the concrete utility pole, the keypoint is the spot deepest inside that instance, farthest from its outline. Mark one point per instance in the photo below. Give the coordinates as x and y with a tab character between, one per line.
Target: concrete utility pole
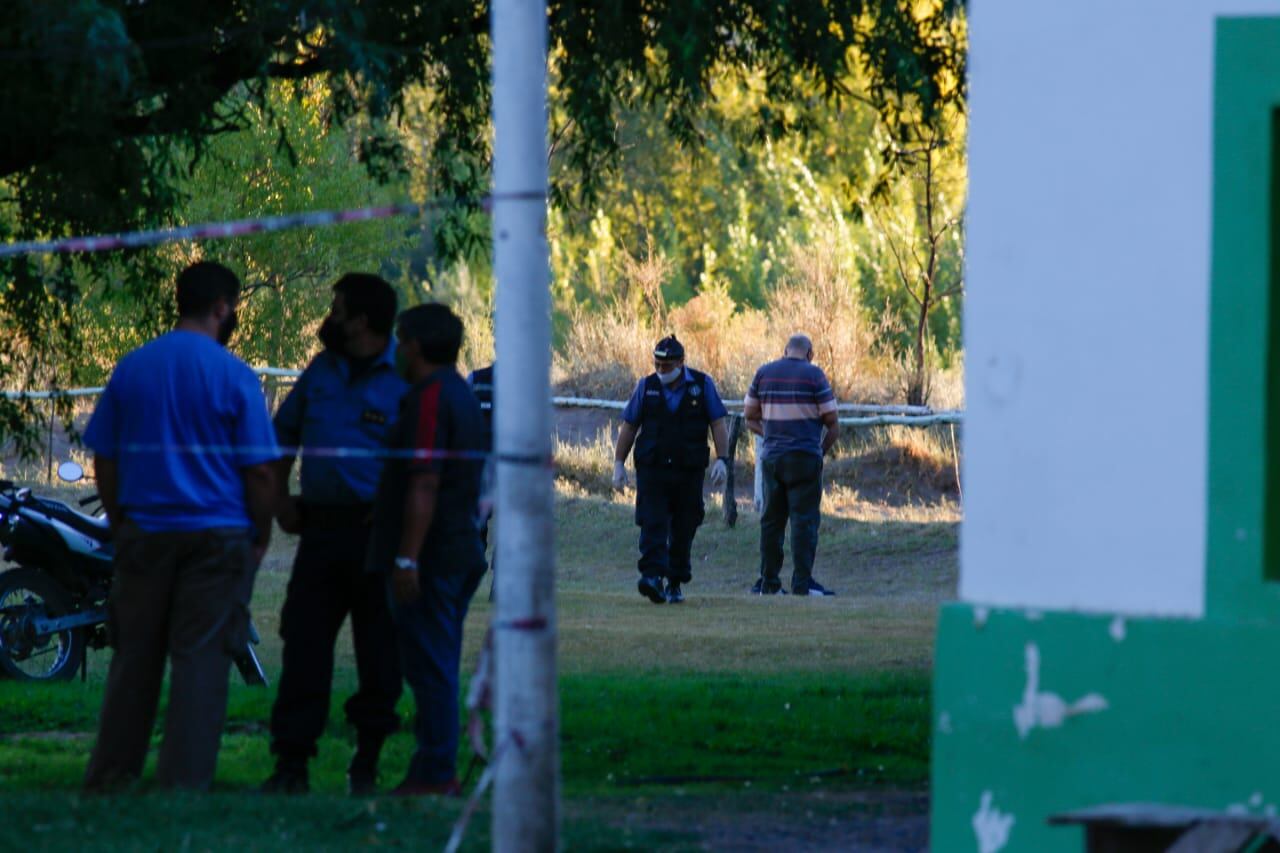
526	800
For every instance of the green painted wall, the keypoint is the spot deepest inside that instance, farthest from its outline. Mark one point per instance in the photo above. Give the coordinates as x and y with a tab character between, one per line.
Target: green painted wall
1190	719
1244	466
1180	712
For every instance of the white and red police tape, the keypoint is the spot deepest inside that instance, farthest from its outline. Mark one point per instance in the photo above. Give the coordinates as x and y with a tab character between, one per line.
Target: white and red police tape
247	227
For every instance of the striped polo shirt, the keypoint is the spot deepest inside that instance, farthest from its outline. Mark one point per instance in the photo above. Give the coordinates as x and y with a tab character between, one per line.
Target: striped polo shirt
793	396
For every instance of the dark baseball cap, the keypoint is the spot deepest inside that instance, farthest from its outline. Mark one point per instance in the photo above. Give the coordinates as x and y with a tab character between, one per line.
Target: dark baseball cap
669	349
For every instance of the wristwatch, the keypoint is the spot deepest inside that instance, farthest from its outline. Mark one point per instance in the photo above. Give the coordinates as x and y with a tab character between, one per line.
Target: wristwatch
406	564
724	459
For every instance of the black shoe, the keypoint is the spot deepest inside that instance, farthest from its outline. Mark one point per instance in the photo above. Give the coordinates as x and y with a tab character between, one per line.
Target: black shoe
362	781
362	773
815	589
760	589
289	778
651	588
674	595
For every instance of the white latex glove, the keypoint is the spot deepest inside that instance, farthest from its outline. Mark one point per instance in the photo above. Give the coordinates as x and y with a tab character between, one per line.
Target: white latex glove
619	475
719	473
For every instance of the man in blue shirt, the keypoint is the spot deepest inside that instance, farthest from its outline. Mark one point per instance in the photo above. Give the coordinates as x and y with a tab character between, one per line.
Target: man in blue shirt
425	545
348	397
183	453
790	404
667	419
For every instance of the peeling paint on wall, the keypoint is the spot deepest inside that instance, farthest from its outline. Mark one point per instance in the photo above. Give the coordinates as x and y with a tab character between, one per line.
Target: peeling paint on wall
1256	805
944	723
980	615
1117	629
991	826
1047	710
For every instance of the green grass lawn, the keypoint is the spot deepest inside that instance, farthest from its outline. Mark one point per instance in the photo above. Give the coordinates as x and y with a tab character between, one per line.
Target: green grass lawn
681	725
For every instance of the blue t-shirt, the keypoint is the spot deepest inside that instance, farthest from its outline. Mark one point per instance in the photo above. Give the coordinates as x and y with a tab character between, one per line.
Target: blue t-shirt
793	396
673	394
327	409
183	416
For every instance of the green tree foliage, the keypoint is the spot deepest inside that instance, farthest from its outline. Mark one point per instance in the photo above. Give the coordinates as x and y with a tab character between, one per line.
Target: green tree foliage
287	275
108	105
733	213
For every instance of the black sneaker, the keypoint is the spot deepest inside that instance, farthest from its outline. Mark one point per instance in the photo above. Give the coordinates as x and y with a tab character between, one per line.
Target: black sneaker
651	588
288	779
815	590
362	772
674	595
760	589
362	781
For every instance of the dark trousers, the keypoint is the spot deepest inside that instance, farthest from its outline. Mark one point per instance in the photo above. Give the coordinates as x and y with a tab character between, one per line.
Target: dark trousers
327	583
668	511
792	491
429	631
184	597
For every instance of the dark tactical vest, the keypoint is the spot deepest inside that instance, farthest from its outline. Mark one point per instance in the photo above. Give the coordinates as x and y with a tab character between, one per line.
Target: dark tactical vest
674	439
482	387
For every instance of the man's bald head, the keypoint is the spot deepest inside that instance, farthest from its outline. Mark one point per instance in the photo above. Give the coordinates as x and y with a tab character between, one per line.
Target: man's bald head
799	346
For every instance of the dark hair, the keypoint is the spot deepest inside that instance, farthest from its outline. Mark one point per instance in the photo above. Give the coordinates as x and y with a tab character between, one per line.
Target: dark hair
370	295
437	330
202	284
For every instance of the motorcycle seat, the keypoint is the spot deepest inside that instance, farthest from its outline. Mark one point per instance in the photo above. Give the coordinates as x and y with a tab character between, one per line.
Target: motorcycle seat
90	525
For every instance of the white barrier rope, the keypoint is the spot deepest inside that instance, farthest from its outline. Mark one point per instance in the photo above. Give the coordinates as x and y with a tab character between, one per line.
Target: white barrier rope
51	395
874	414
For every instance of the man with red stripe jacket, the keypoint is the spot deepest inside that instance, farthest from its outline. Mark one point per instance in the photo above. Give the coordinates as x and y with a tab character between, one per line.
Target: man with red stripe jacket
425	538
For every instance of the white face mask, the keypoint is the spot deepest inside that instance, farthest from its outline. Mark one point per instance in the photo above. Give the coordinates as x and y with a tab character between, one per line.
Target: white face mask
672	376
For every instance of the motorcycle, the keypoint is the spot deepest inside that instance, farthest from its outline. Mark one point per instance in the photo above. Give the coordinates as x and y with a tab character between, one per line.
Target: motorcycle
53	606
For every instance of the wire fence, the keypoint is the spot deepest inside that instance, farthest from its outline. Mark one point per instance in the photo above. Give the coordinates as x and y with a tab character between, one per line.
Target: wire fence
865	414
853	415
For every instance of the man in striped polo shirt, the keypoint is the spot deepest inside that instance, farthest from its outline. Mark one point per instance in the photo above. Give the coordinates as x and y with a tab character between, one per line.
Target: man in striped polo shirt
791	405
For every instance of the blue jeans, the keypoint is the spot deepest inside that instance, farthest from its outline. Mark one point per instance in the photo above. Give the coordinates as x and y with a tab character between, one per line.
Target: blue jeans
429	632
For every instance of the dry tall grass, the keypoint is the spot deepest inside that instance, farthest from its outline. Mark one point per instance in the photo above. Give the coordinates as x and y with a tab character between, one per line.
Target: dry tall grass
605	352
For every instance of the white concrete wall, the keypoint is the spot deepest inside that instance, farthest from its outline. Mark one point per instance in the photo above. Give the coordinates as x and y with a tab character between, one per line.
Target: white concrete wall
1086	320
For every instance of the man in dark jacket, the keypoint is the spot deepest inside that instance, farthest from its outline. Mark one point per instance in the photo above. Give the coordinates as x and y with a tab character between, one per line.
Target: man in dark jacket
425	540
667	419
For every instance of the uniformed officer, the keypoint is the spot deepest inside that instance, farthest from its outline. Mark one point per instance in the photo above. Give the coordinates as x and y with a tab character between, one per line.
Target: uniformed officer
481	382
348	397
667	419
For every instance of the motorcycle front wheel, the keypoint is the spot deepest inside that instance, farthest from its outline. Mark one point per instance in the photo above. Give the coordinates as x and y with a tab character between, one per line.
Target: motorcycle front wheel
27	595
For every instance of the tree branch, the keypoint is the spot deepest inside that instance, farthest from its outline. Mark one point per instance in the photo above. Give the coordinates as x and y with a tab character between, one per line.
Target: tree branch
902	271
